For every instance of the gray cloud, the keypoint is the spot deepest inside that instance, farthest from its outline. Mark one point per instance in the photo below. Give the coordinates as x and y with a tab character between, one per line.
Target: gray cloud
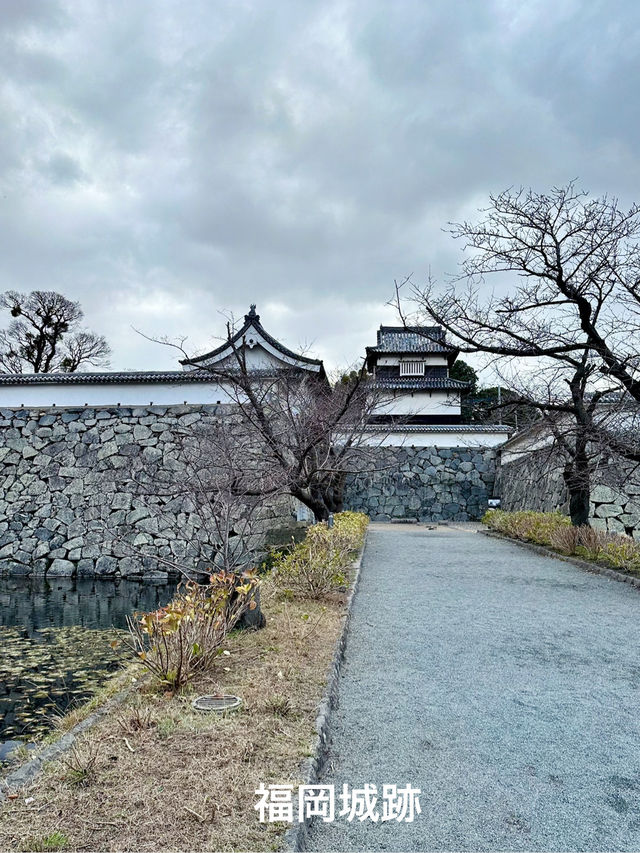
163	163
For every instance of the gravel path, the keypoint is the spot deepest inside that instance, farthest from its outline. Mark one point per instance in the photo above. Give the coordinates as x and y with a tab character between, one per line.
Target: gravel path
505	685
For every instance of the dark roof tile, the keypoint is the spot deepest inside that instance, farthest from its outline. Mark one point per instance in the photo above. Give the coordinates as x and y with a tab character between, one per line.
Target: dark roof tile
419	383
418	339
145	376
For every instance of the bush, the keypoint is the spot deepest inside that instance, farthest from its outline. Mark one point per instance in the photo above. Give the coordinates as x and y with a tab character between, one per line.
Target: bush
527	525
318	565
555	530
621	552
184	638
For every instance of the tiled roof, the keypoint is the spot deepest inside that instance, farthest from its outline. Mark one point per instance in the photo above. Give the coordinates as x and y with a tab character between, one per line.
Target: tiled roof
420	383
418	339
253	320
145	376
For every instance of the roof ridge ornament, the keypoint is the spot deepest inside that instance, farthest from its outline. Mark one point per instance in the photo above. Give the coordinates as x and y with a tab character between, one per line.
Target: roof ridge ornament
252	314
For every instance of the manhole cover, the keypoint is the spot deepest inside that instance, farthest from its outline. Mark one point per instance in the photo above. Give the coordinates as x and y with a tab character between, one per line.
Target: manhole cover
216	703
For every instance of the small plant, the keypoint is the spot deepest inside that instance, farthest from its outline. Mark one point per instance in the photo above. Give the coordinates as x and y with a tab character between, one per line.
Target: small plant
622	553
589	542
565	539
54	841
279	706
184	638
81	761
138	720
166	727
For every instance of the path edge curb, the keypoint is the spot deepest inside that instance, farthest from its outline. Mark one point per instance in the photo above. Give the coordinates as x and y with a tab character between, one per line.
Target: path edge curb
295	837
585	565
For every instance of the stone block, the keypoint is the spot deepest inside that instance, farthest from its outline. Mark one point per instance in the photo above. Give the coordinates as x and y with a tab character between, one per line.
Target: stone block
190	419
603	494
86	568
141	432
106	565
608	510
61	569
108	449
129	566
630	519
615	526
44	534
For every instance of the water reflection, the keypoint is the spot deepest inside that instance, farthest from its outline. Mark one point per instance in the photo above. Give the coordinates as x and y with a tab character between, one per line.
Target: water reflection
54	643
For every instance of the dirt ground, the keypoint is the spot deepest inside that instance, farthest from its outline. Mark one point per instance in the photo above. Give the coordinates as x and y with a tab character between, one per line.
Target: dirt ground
157	775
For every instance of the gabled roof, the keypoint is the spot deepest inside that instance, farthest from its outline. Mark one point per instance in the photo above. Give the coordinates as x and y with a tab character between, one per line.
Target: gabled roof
252	322
411	340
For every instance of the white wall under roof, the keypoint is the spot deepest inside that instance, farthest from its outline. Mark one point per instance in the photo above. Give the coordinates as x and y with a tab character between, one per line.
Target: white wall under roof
62	395
256	357
431	359
419	403
432	436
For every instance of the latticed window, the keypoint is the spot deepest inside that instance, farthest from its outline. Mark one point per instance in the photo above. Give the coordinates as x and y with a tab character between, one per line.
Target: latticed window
412	368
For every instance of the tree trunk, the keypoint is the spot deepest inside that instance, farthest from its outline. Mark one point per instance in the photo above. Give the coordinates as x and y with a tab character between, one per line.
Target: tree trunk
579	507
576	477
314	502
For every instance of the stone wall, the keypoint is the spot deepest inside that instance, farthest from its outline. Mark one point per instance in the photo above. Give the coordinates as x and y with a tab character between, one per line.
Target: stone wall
425	483
535	482
71	503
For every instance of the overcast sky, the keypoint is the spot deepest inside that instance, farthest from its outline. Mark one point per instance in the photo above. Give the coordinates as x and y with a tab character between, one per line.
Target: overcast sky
164	162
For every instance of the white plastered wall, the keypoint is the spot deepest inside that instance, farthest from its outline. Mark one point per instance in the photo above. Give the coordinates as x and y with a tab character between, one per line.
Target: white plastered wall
419	403
112	394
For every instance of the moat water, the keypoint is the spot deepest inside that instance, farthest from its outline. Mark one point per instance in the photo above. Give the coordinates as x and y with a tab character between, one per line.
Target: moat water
55	645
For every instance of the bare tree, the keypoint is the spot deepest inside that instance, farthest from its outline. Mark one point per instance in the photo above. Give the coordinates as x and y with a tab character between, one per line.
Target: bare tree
44	335
569	326
309	434
202	496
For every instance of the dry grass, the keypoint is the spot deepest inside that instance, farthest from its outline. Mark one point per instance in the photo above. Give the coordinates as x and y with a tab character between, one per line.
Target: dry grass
551	529
166	777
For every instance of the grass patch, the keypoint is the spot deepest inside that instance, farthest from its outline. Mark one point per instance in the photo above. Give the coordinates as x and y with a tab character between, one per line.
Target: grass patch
160	775
553	530
55	841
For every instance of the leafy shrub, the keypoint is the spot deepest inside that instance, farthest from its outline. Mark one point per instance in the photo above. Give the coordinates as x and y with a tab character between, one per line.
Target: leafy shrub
622	553
554	529
184	638
349	528
319	564
527	525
